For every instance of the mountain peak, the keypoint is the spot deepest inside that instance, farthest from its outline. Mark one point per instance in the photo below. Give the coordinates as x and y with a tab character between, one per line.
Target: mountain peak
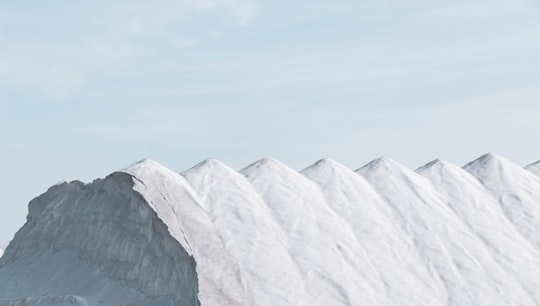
207	164
491	169
266	163
436	163
534	168
147	168
324	164
486	161
143	163
489	157
439	171
535	164
381	163
211	169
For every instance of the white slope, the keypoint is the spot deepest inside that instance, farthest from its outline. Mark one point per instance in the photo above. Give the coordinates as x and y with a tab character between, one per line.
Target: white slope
461	264
249	236
1	252
101	242
390	262
534	168
269	235
471	202
320	242
515	189
180	207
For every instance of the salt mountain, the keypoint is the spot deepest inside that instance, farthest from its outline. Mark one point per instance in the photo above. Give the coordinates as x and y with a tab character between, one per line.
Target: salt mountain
269	235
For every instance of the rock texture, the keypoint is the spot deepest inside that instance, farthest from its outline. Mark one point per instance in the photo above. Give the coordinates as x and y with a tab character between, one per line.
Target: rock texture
270	235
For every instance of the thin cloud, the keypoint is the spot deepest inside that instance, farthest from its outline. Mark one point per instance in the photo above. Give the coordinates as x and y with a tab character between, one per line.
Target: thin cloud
56	49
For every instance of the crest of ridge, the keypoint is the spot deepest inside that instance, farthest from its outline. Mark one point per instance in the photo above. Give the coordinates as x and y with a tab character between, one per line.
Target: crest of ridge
209	165
486	161
534	167
266	165
325	164
325	169
167	193
383	167
441	166
490	167
444	173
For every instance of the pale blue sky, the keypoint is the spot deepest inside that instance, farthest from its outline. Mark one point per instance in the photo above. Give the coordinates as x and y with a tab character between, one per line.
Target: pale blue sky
87	88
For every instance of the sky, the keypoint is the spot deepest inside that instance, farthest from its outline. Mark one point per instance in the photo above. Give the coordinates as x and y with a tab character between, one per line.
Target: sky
89	87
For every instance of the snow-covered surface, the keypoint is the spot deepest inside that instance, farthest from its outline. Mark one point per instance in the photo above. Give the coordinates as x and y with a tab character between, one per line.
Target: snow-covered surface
534	168
270	235
516	190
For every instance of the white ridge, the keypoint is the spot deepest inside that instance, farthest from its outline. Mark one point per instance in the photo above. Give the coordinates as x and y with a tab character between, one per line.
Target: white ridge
463	267
516	190
534	167
270	235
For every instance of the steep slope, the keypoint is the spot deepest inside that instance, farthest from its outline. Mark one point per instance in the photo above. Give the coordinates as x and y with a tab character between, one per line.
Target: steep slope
516	190
390	262
461	264
322	245
101	243
180	206
534	168
248	236
269	235
484	217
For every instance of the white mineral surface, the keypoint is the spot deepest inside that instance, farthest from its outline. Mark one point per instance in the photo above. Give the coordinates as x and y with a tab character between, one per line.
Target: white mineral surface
270	235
